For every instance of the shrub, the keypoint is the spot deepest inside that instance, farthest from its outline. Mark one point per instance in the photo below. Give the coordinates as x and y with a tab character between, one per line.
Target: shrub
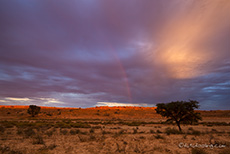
91	130
121	131
190	128
45	148
63	131
105	132
158	131
142	137
52	146
49	114
19	131
50	133
159	136
106	114
135	123
214	130
38	140
62	125
169	131
225	151
8	150
72	132
185	137
85	133
29	132
92	137
80	125
194	132
198	151
33	110
77	131
82	138
152	131
2	129
8	124
134	131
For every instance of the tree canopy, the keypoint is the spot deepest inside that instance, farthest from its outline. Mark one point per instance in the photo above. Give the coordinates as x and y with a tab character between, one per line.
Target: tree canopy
179	111
33	110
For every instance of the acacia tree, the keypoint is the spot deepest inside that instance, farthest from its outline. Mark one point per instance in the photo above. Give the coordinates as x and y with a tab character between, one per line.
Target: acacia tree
33	110
180	112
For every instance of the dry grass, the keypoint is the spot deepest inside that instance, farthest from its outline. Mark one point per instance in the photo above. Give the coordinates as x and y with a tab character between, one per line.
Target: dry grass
59	134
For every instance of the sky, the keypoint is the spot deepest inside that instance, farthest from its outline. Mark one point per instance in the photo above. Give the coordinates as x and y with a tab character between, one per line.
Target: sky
85	53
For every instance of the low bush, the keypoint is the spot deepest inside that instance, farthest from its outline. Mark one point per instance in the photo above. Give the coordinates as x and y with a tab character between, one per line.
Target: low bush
72	132
159	136
38	140
121	131
190	128
8	150
63	131
92	137
29	132
91	130
158	131
225	151
198	151
152	131
134	131
52	146
194	132
105	132
19	131
169	131
50	132
84	133
2	129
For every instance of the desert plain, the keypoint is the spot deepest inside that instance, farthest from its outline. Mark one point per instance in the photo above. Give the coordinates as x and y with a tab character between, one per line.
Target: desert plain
110	130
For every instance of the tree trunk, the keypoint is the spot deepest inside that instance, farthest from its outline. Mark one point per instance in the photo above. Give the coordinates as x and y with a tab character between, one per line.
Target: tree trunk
178	124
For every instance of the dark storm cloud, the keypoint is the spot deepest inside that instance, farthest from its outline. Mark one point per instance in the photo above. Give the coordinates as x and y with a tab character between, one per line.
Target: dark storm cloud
83	52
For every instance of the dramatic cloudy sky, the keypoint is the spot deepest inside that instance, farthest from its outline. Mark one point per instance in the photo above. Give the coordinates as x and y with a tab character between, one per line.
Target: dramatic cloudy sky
82	53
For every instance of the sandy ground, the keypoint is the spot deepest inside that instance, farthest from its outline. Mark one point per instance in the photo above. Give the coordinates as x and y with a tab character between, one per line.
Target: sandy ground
109	131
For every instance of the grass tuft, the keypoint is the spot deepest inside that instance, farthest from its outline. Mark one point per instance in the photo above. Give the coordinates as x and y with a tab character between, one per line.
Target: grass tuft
198	151
159	137
169	131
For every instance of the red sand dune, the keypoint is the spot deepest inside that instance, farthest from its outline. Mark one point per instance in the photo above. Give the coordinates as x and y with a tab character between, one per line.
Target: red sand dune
90	108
